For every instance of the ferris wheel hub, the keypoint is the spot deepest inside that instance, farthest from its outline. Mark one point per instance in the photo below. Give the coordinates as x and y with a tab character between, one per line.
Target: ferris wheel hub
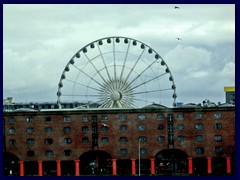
115	96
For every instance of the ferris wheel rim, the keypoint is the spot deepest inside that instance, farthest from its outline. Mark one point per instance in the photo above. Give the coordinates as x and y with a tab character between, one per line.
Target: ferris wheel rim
115	95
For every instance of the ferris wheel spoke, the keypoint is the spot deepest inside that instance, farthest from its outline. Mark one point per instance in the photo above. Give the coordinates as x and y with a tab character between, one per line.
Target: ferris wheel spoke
149	66
145	82
82	85
125	59
99	49
90	61
145	92
114	60
139	57
88	76
84	95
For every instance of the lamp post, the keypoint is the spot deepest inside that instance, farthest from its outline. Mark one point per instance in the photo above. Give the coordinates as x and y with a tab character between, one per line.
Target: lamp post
139	157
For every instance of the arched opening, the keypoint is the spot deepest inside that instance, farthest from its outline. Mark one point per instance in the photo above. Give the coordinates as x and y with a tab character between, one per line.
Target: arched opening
31	168
95	162
219	166
11	165
124	167
171	161
49	168
200	166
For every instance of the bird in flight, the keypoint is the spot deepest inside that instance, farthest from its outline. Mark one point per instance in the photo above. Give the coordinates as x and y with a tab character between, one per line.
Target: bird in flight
179	39
176	7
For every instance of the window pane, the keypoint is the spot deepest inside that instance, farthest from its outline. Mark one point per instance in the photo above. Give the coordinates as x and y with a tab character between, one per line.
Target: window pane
122	117
67	140
29	119
67	153
161	138
84	119
218	150
180	138
199	150
123	127
198	116
142	127
85	129
217	116
29	130
48	141
123	139
12	131
123	151
48	129
67	130
11	119
104	118
180	127
218	138
30	141
160	117
199	126
218	126
160	127
66	119
180	116
85	140
142	117
199	138
105	139
48	119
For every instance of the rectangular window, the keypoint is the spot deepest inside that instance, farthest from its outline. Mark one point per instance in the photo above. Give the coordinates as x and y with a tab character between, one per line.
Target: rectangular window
12	131
104	118
48	129
67	130
160	117
142	117
29	130
29	119
122	117
198	116
48	119
180	116
66	119
218	126
11	119
84	119
217	116
67	140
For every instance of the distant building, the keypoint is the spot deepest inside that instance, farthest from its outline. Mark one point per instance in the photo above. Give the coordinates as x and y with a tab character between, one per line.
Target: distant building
230	94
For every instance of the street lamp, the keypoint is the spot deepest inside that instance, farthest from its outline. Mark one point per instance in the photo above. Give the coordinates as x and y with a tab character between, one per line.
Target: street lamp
139	157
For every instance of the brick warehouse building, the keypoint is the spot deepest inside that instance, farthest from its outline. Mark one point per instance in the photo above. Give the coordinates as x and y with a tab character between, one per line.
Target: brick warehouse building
194	140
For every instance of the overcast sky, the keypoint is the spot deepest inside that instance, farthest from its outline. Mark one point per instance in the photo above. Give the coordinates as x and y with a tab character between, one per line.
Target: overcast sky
39	40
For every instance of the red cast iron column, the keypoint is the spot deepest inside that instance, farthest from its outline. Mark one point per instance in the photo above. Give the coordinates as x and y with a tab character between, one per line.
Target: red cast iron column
77	173
40	173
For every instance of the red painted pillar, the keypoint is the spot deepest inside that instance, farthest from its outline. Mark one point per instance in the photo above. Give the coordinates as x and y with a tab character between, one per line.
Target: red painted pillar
40	173
228	165
209	165
152	165
58	167
114	167
21	168
133	166
77	173
190	165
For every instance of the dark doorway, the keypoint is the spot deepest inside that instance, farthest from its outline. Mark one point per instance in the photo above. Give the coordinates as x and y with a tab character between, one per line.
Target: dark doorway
95	162
171	162
11	165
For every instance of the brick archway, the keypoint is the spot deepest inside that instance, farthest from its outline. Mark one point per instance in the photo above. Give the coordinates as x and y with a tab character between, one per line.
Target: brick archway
95	162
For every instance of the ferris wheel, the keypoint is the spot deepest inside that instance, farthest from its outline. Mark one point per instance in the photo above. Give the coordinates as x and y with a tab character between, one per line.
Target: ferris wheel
117	72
